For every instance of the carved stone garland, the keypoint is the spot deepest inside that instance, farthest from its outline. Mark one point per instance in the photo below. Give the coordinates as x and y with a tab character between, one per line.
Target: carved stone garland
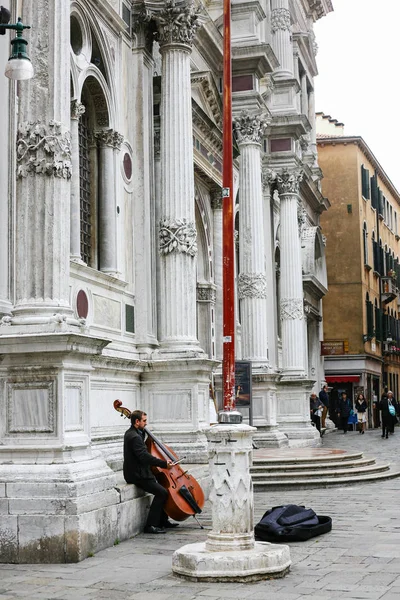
252	285
291	308
43	149
178	236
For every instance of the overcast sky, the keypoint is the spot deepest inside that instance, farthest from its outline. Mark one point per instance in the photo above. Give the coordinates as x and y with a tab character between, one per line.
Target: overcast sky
359	74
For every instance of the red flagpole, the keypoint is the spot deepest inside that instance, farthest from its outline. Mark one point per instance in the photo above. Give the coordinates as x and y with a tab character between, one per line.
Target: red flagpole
228	269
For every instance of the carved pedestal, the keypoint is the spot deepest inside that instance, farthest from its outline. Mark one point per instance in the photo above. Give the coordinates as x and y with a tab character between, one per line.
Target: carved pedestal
230	552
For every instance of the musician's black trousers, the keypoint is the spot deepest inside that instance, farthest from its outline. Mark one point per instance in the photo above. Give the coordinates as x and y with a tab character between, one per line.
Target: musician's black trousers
156	516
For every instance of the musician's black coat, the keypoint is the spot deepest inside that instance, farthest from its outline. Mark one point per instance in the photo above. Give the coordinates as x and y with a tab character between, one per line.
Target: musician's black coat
137	459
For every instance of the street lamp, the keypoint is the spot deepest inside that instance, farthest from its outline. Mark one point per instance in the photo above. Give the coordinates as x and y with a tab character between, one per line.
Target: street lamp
19	66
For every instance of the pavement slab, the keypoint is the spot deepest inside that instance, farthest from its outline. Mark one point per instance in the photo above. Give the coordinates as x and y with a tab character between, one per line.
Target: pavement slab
359	559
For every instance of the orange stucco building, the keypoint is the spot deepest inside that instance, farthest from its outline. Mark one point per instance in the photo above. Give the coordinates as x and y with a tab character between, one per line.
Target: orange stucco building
361	310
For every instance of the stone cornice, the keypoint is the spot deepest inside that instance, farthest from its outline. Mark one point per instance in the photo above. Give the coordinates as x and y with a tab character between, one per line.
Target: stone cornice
205	80
256	58
363	147
318	8
293	125
211	133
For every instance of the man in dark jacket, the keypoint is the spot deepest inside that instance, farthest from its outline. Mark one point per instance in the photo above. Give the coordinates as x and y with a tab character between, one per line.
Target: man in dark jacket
137	469
324	399
345	408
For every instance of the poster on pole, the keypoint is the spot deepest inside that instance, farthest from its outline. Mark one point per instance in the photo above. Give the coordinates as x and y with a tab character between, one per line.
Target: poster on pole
243	386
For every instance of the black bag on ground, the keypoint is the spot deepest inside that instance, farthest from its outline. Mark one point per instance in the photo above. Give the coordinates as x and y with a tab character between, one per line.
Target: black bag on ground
291	523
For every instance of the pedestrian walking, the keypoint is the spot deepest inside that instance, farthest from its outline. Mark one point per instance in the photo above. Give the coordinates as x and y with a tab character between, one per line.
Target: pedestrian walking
345	408
324	399
387	413
392	401
361	410
316	408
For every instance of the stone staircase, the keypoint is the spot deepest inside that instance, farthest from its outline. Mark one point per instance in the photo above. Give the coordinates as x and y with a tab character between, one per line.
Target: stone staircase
288	468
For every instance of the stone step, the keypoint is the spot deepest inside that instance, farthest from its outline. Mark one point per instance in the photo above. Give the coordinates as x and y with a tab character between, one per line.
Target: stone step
261	467
276	484
316	474
281	459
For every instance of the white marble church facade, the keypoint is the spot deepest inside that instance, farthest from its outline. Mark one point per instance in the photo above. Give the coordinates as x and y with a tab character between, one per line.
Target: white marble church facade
111	248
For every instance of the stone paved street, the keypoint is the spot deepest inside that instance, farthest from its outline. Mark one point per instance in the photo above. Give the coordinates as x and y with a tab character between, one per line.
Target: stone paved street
360	558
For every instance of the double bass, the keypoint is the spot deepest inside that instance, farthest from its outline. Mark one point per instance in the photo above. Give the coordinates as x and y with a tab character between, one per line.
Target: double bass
185	496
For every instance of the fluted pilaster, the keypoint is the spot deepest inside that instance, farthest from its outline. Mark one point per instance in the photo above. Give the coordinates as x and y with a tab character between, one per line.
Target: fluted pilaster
282	37
77	110
291	306
252	282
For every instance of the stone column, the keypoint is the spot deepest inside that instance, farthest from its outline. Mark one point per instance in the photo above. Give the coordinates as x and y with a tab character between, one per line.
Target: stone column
291	306
252	281
43	171
268	178
311	118
108	141
177	229
77	109
282	38
304	95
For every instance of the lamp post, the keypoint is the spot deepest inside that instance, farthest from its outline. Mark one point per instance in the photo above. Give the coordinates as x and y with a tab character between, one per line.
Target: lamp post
19	66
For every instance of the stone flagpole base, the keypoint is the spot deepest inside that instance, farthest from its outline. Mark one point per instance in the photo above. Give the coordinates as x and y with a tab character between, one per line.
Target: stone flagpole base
230	552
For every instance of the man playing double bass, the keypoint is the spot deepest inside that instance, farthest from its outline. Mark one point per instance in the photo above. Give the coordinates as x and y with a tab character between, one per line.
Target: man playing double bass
137	463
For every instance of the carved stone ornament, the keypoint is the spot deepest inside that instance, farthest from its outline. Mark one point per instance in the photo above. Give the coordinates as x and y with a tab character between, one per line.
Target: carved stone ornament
216	198
77	109
143	29
288	182
43	150
280	19
268	177
291	309
301	216
250	128
178	236
252	285
109	137
206	294
176	24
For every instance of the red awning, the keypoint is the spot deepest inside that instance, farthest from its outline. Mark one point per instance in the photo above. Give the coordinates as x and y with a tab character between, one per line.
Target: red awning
342	378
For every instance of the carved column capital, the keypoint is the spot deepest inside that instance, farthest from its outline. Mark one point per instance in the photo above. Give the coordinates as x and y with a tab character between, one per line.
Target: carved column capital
268	177
43	150
176	24
250	128
77	109
280	19
288	181
109	137
143	28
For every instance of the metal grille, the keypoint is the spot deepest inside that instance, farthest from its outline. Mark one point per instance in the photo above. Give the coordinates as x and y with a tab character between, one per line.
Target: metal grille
84	186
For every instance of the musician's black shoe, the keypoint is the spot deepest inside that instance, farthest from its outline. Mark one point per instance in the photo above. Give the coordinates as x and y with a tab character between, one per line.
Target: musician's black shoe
152	529
169	525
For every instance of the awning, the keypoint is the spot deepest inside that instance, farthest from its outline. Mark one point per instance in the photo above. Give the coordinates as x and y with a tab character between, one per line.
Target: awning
342	378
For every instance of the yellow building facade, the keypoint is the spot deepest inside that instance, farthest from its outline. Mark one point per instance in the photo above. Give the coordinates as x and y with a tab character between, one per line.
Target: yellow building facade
361	310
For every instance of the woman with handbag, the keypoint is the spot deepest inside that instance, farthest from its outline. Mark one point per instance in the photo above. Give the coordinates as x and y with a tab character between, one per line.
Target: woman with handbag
361	410
388	411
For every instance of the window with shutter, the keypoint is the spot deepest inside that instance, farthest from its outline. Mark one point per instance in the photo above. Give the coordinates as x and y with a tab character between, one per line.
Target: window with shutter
378	323
374	192
365	182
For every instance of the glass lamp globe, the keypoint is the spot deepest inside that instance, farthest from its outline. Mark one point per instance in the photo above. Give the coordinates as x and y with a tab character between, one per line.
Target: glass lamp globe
19	69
